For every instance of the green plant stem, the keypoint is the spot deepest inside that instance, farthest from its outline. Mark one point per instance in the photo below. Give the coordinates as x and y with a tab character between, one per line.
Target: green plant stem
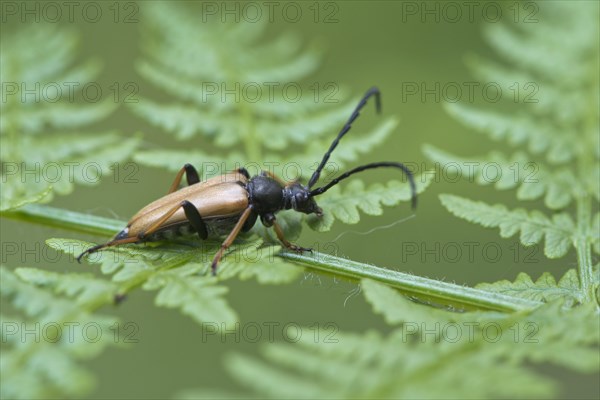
429	290
65	219
423	288
584	248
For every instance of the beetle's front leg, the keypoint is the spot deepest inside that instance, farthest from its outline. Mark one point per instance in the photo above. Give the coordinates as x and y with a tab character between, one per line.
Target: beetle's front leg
191	175
270	220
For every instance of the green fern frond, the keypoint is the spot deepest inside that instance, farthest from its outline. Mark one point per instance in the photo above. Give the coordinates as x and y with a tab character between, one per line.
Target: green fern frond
518	130
538	335
559	144
39	55
595	229
533	226
51	167
233	62
345	204
172	270
397	309
35	120
304	163
545	288
179	272
371	366
32	301
271	270
195	394
15	196
543	48
171	159
34	376
45	362
249	131
198	297
532	180
86	289
426	356
557	342
556	131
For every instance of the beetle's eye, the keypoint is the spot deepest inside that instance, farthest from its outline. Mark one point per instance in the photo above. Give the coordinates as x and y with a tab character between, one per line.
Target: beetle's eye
301	197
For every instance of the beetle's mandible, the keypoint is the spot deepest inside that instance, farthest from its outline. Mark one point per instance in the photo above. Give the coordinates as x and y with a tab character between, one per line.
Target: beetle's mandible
231	203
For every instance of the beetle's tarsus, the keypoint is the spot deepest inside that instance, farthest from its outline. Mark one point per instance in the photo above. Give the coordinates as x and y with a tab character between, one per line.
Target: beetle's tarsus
288	245
119	298
79	257
90	251
299	249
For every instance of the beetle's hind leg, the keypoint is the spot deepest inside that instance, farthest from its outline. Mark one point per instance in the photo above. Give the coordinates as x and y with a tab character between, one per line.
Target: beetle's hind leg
107	244
191	175
191	214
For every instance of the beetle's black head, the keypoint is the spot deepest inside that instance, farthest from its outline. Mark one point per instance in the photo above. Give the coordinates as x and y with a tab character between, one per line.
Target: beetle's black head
298	198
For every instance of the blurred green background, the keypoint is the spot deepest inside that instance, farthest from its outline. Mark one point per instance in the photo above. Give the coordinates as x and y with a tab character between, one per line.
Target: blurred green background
372	43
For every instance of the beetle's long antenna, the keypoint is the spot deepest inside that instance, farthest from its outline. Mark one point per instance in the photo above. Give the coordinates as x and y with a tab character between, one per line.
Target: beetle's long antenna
371	92
345	175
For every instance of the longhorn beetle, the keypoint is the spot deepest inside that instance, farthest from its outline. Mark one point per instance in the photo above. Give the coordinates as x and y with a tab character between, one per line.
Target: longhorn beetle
232	202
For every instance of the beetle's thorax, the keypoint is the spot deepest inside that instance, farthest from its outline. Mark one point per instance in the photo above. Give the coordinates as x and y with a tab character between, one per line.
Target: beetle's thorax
265	194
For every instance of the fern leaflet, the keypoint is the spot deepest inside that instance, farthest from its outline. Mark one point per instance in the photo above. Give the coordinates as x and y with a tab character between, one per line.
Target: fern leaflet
36	164
560	130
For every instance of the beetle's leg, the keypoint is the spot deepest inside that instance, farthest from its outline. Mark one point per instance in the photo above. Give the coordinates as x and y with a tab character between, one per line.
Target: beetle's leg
276	178
193	215
250	222
191	176
186	208
285	242
108	244
229	240
244	172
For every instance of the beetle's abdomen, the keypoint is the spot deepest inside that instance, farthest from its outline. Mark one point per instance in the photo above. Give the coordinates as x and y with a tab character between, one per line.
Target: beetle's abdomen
213	202
171	233
216	227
